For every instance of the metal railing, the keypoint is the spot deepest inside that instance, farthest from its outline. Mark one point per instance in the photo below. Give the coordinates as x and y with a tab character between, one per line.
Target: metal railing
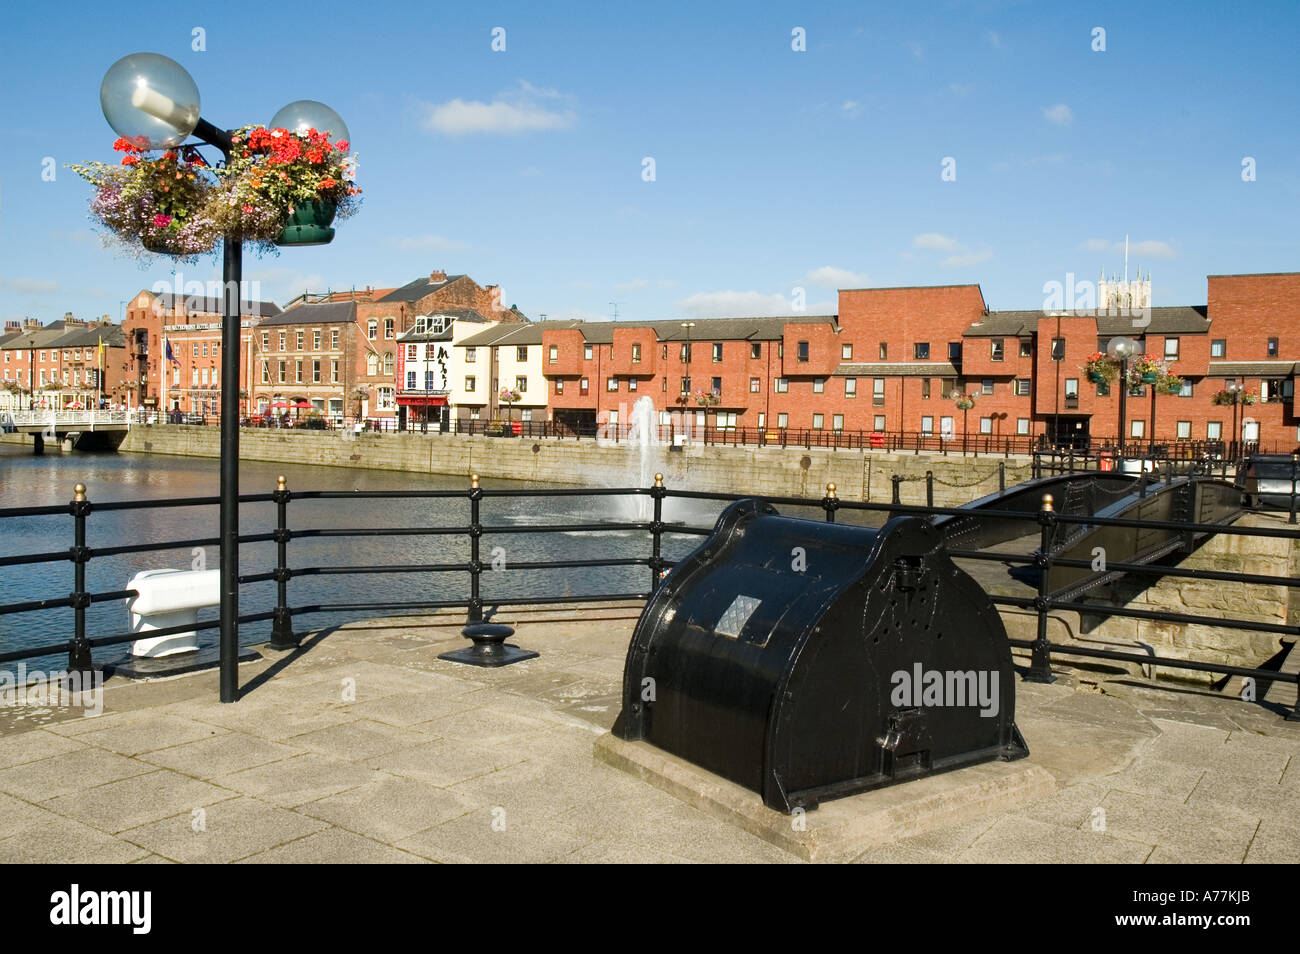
79	645
75	418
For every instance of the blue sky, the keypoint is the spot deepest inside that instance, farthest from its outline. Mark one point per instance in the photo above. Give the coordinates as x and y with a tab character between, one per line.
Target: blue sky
774	169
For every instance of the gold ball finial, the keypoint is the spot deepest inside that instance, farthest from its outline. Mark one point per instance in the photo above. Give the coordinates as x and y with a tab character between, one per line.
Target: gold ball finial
659	480
280	483
473	481
830	490
79	492
1047	501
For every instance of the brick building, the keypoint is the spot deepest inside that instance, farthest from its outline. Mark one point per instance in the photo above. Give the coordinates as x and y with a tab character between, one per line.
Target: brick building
67	363
305	355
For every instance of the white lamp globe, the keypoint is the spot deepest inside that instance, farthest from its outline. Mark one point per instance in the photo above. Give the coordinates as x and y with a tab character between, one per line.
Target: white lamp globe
307	114
151	100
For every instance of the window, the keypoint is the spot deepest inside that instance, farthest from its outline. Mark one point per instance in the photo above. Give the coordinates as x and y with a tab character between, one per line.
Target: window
717	351
334	372
686	351
986	425
755	385
298	371
315	341
1072	388
1022	425
194	377
850	387
611	384
1218	347
1272	347
334	340
1022	387
884	351
921	351
925	388
879	423
266	372
781	385
471	383
636	354
471	355
1026	347
385	399
1184	431
196	349
559	385
412	352
521	384
283	338
755	349
410	380
315	372
954	351
819	385
1214	430
372	329
986	386
817	422
266	341
782	420
715	386
1186	389
372	364
878	391
586	352
997	349
388	364
631	384
801	351
837	422
1171	349
927	424
1058	349
686	385
1136	428
521	353
846	352
388	327
282	377
205	351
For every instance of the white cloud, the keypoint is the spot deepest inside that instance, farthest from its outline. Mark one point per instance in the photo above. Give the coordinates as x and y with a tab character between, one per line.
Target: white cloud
633	285
666	283
735	304
428	243
916	49
1150	248
1060	114
1096	245
961	90
281	284
935	242
850	108
991	37
529	172
523	108
967	258
833	277
30	286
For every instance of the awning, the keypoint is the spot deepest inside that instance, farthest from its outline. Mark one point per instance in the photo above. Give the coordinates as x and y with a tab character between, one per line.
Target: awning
422	400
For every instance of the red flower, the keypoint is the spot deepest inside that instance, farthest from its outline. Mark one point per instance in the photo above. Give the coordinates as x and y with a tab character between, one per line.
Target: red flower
327	184
342	145
123	144
130	160
161	221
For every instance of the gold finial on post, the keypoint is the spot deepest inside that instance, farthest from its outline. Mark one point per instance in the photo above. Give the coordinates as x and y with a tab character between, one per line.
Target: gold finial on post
659	480
830	490
473	481
79	493
280	483
1047	502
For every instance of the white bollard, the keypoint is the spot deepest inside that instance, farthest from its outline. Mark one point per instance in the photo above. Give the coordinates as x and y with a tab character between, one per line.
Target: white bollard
170	598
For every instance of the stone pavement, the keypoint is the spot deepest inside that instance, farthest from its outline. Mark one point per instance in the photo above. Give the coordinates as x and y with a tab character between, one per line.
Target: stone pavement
363	746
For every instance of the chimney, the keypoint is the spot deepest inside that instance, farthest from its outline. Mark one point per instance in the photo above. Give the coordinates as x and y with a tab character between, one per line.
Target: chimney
437	276
13	326
31	324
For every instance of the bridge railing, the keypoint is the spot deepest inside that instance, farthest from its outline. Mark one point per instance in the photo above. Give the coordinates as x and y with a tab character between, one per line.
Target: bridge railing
286	616
73	418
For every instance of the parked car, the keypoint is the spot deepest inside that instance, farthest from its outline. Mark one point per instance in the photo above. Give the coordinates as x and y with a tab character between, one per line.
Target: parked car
1267	480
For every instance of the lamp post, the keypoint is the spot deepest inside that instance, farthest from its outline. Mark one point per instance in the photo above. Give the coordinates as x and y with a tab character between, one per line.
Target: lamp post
1235	389
686	391
149	98
965	402
1121	349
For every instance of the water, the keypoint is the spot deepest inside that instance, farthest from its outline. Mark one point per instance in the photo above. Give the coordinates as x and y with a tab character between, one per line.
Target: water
27	480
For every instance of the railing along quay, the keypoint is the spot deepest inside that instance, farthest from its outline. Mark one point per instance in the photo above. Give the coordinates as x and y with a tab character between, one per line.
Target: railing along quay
79	645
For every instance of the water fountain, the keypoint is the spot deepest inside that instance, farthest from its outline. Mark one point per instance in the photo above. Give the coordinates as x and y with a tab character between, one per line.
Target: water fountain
643	432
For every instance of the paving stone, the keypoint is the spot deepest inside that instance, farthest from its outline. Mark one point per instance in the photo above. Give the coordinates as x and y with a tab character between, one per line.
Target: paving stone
61	841
409	708
1195	832
1276	842
1018	839
1152	776
117	806
226	831
357	741
72	771
445	762
17	816
20	747
220	755
333	846
293	782
389	809
149	734
472	838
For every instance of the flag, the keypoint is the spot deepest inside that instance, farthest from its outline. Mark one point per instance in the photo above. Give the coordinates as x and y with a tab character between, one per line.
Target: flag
170	357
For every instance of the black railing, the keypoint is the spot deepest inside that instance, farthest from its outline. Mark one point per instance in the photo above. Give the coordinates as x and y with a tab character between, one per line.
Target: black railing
79	645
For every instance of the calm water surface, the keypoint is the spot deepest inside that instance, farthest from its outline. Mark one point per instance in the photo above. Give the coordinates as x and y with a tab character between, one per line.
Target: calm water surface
27	480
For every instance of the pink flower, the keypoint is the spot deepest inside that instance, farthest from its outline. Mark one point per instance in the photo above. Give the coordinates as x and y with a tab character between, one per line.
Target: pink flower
161	221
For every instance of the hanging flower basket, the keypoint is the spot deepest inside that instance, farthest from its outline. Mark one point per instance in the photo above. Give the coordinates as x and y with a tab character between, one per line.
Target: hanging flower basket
1146	369
1101	369
309	224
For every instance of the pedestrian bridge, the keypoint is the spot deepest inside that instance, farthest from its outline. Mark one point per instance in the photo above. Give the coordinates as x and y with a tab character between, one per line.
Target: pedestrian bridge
87	429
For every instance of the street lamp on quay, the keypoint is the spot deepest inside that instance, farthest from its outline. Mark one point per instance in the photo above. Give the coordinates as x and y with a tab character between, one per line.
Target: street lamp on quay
965	402
1235	391
148	98
686	389
1121	349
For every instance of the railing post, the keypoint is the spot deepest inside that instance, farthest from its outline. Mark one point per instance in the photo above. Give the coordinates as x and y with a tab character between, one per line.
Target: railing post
1040	665
657	493
78	647
1002	476
282	622
897	481
1295	460
475	614
830	503
929	488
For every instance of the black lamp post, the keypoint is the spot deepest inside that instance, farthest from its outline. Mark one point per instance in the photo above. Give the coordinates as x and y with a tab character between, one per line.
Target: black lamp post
148	97
1235	391
965	402
1121	349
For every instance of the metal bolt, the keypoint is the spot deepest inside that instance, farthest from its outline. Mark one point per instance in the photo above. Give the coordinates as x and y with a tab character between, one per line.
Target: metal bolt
473	481
659	480
79	493
830	490
280	483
